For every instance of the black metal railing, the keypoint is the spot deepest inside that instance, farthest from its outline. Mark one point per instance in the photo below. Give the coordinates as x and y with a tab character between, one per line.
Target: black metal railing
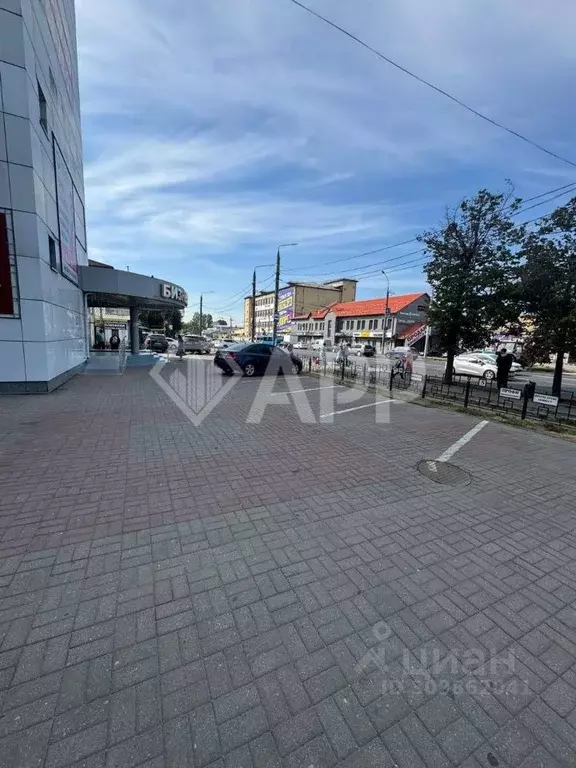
526	400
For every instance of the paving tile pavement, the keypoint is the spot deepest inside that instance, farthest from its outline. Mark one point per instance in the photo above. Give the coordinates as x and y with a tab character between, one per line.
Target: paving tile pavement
279	594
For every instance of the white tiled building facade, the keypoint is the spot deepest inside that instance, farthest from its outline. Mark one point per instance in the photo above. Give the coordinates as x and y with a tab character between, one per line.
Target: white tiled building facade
43	333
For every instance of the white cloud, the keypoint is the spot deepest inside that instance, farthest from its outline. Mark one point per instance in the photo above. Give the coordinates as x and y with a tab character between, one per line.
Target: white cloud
215	129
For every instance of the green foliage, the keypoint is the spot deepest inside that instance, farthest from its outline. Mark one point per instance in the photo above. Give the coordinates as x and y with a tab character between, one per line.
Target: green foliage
548	281
473	272
193	326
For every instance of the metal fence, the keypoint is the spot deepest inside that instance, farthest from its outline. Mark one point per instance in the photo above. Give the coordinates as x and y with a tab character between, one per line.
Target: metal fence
525	401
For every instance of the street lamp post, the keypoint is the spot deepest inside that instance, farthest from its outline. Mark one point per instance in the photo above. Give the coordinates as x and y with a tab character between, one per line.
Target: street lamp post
201	301
253	323
386	310
276	289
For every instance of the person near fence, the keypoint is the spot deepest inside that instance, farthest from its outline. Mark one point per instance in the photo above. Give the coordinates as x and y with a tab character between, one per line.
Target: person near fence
503	366
180	350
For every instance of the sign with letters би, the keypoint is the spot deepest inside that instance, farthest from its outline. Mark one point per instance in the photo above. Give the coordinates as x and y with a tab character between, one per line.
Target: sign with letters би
174	292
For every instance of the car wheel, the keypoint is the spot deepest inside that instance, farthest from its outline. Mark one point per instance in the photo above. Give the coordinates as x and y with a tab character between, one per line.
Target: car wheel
295	370
249	369
489	375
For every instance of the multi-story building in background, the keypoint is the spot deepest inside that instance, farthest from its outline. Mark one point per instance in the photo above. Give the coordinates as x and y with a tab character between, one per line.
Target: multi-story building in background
295	298
43	330
396	321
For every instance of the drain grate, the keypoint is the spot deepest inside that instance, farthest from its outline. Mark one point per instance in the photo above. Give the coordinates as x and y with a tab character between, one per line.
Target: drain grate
444	473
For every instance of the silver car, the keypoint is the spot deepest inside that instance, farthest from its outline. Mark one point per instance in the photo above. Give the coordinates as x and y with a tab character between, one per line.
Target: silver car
196	345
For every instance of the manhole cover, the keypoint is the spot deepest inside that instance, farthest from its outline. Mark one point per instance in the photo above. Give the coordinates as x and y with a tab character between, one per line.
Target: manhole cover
443	473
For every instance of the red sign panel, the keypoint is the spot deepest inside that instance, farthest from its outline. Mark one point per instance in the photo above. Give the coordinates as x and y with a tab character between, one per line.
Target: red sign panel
6	298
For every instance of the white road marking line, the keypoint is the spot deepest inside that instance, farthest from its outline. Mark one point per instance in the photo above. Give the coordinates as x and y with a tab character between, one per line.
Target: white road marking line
311	389
357	408
449	452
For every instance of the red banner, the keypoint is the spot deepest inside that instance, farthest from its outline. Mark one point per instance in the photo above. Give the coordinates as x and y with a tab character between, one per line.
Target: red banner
6	298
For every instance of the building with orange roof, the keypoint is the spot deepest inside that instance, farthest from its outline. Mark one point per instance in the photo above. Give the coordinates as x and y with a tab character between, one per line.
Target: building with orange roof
386	323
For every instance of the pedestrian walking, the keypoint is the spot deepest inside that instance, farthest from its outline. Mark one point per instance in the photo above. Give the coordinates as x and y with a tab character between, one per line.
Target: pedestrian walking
503	366
99	338
323	354
180	350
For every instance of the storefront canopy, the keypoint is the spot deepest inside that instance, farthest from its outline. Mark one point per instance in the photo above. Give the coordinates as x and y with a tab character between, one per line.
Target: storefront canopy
109	287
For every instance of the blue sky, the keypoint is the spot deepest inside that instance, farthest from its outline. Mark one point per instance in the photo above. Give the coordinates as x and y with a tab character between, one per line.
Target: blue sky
216	129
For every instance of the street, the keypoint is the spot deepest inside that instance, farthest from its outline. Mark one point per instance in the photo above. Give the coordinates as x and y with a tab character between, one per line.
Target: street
436	367
307	576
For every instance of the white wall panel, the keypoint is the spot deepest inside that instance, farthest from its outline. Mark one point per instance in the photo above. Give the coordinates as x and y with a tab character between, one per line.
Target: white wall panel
12	361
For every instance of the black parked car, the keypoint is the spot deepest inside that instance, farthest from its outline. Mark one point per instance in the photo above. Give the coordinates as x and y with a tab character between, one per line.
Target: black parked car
256	359
157	342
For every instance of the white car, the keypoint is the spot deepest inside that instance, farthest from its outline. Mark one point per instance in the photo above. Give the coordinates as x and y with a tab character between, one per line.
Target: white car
491	358
482	366
300	345
172	343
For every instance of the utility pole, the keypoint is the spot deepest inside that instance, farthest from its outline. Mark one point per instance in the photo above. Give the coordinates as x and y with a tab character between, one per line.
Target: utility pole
386	311
254	305
276	290
200	314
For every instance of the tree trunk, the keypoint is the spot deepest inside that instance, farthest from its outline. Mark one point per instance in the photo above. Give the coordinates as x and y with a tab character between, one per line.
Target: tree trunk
449	367
558	368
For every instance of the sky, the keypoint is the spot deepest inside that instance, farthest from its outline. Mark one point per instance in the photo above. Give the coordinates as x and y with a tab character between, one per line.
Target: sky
215	130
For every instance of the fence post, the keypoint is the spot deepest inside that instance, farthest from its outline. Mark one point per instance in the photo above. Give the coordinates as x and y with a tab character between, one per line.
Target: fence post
525	401
391	382
570	406
342	369
364	374
424	383
467	392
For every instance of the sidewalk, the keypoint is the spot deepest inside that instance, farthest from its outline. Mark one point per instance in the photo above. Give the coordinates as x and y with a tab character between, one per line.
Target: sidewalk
279	594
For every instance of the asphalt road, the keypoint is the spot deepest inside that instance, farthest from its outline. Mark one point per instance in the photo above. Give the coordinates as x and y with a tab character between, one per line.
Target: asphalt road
435	367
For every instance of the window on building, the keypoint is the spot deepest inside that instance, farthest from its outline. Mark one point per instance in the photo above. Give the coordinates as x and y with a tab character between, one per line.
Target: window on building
363	324
52	253
370	324
358	324
43	108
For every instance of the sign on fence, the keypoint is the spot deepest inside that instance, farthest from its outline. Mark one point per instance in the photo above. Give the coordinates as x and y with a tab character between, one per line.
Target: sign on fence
417	377
513	394
546	400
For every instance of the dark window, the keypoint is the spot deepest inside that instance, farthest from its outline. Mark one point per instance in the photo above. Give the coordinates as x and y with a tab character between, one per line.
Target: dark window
358	325
370	324
43	108
52	252
363	324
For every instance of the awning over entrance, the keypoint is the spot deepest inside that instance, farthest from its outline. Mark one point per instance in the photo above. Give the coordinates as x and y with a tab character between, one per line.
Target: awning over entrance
109	287
105	286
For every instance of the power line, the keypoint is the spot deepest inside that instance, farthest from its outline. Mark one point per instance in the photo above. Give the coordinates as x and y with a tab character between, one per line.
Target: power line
427	83
565	189
561	189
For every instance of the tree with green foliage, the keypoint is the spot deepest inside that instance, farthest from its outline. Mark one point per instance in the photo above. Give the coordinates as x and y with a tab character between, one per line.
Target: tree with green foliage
548	280
169	320
193	326
472	270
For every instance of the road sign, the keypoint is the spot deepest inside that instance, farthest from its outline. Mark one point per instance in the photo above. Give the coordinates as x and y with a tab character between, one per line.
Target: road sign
512	394
546	400
416	377
276	316
482	383
388	311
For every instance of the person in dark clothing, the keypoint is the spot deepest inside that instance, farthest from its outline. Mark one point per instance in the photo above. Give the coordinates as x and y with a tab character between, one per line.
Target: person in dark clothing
114	341
503	366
